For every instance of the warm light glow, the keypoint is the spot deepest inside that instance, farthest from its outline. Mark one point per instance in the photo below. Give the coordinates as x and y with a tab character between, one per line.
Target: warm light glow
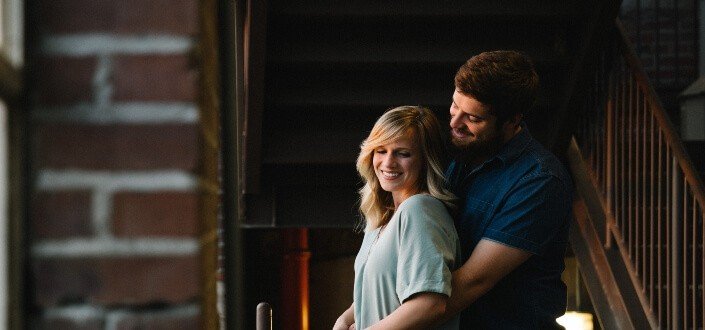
576	321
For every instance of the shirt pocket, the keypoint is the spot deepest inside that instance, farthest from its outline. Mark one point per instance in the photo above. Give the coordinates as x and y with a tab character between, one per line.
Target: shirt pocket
476	210
476	206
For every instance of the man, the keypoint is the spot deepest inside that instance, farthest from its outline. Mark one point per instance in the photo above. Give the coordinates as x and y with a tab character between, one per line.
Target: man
515	200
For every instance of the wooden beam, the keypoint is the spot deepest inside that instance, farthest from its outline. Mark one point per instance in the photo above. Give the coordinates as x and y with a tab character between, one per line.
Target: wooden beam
230	23
255	33
455	8
10	82
209	194
595	267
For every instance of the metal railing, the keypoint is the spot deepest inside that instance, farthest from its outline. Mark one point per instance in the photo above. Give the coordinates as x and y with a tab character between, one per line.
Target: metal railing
651	194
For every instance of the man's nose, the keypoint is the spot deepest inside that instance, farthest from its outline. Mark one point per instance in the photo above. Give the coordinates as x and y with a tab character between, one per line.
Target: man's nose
454	120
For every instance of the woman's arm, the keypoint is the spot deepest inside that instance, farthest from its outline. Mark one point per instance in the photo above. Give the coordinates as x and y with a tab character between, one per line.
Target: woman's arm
346	319
421	311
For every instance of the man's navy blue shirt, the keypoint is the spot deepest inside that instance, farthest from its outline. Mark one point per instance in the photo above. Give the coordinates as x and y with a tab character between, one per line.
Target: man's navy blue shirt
521	197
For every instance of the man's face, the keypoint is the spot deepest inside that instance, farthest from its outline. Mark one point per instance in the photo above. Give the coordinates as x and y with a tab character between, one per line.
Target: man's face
473	129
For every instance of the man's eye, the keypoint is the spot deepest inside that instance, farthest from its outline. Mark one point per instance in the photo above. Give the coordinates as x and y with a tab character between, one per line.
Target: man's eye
473	119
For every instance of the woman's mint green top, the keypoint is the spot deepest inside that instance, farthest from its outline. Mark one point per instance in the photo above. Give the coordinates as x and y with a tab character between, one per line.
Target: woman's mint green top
415	253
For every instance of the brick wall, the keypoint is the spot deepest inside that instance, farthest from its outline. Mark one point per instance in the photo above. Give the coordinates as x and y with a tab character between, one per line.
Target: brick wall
115	153
665	39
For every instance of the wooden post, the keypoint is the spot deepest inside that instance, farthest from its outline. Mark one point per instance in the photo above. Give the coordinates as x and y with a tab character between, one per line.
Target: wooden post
264	316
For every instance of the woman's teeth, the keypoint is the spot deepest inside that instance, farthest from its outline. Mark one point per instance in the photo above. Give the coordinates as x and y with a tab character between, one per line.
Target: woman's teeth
390	175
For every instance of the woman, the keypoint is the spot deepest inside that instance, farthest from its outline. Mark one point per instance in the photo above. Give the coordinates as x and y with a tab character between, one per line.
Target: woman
403	268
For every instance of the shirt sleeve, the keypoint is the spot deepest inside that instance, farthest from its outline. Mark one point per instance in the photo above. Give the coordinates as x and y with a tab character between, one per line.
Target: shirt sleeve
426	246
532	214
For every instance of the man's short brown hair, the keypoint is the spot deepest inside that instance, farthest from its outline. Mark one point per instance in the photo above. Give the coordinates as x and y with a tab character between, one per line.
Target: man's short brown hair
505	81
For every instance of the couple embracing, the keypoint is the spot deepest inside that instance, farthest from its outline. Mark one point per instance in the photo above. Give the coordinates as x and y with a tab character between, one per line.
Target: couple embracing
478	243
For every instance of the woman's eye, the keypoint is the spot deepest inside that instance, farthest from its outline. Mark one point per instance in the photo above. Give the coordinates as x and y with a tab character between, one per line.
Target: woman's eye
380	151
404	154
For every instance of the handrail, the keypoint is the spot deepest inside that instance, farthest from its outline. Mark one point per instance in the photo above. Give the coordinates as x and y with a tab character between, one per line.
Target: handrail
660	114
650	192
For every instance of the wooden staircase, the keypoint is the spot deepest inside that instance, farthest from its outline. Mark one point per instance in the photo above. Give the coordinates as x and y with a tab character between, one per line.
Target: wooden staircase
330	69
317	75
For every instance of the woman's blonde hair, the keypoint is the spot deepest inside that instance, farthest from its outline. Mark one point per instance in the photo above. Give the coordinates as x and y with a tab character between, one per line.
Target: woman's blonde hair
421	125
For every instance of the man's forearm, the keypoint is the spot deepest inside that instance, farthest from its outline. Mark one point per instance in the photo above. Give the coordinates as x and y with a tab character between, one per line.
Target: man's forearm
488	263
423	311
465	291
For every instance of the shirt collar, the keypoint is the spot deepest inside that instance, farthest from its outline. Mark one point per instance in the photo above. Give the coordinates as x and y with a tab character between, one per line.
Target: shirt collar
514	147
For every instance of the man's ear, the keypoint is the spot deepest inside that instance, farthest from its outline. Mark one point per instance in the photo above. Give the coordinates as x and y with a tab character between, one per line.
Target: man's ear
514	120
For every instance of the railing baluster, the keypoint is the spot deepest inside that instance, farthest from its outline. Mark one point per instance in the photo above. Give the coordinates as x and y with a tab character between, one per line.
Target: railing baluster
646	225
684	251
669	240
661	300
675	243
694	263
651	213
631	241
623	157
633	223
610	170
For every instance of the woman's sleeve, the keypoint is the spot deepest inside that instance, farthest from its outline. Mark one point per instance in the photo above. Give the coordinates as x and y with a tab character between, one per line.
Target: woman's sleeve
427	246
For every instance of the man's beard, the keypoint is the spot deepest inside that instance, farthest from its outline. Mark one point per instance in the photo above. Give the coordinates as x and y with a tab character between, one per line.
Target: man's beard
482	148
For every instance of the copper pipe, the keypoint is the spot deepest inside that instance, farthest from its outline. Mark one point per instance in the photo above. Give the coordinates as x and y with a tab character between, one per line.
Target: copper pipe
295	302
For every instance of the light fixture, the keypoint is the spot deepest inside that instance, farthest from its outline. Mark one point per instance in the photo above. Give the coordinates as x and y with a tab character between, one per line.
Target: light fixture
576	321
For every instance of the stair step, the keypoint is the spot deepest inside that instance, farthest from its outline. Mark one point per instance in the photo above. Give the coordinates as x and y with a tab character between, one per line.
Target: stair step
434	40
311	146
320	135
300	135
456	8
306	195
373	85
359	85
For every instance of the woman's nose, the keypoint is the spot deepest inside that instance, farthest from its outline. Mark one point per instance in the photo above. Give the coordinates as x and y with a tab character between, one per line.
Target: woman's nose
389	161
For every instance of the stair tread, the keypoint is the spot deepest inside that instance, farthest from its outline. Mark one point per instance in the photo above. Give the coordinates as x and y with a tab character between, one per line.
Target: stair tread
388	41
524	8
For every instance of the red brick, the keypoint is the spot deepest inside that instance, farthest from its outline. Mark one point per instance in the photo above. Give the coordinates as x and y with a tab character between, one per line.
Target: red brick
155	214
61	214
158	322
65	79
136	147
154	78
127	16
116	281
166	16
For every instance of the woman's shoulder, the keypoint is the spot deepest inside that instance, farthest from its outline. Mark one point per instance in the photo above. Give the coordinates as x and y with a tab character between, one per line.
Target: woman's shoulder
422	201
426	206
423	213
